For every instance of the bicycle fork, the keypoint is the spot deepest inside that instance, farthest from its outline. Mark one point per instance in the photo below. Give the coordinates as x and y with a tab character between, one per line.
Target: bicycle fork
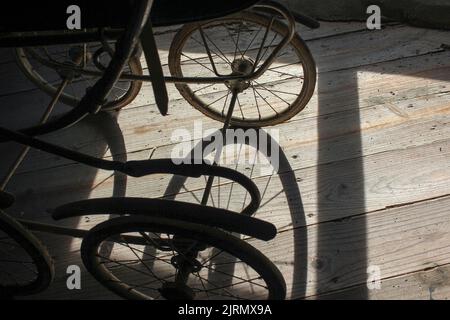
186	262
218	154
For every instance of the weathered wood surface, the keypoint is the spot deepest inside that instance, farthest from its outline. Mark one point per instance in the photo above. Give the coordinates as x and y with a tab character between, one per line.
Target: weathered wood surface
387	81
365	181
429	284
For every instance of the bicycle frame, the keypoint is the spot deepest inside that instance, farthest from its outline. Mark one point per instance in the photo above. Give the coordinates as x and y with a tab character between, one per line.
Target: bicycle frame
143	167
90	104
96	35
150	166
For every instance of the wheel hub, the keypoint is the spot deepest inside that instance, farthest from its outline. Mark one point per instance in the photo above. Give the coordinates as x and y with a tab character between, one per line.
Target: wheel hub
240	67
243	66
181	261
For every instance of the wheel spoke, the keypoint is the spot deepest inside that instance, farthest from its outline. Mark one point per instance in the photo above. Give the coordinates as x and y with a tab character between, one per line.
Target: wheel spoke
265	100
218	49
272	198
203	284
124	265
251	175
251	42
261	87
240	108
239	278
137	256
211	258
285	65
267	184
256	103
286	74
267	48
226	95
224	59
146	253
203	65
230	295
225	103
202	88
232	183
236	48
25	264
235	284
264	88
192	193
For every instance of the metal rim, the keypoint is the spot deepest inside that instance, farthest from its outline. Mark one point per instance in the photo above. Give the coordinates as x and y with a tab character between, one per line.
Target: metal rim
38	261
49	82
191	94
97	263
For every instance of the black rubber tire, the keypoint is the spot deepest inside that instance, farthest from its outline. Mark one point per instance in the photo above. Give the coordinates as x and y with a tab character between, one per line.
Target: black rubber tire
302	50
37	252
134	65
173	210
219	239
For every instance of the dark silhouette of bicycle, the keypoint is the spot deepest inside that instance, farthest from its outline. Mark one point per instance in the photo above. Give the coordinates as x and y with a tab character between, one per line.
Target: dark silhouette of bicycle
188	241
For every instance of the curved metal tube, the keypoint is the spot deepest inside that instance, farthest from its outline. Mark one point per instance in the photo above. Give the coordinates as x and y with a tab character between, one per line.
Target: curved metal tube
144	167
271	5
176	210
95	97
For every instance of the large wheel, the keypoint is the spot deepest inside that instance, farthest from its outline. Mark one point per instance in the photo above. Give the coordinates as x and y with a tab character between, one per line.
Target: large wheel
177	260
25	265
238	43
32	62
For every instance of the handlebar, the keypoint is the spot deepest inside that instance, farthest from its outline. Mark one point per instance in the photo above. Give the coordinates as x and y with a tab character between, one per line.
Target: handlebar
146	167
143	167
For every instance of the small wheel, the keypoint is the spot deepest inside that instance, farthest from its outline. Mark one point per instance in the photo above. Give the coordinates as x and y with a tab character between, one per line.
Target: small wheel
238	43
31	61
152	258
25	265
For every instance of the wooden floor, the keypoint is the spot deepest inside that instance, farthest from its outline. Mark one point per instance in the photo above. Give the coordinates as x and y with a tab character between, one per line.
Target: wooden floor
363	187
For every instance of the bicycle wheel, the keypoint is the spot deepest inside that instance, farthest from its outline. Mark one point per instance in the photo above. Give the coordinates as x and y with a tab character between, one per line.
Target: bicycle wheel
239	43
25	265
33	63
177	260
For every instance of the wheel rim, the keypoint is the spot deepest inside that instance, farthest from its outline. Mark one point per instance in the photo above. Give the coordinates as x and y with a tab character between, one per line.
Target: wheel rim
48	79
25	267
281	92
152	271
17	268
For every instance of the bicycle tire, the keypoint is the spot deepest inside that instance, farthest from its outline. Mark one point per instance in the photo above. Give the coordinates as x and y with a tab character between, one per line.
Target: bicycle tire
115	105
298	105
35	250
230	244
175	210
